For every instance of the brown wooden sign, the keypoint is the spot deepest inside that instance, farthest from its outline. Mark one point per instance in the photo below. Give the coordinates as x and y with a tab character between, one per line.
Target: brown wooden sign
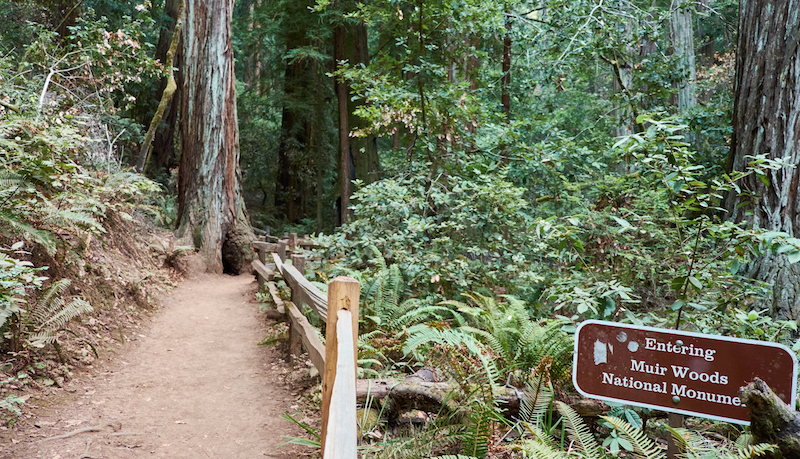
676	371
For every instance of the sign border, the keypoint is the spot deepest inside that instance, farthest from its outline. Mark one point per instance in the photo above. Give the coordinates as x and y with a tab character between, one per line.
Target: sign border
791	403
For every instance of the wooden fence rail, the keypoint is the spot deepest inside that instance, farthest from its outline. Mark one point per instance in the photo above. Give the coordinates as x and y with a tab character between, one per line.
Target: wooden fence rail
336	362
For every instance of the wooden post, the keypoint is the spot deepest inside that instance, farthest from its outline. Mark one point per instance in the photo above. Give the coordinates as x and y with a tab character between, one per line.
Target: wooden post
282	250
342	294
299	262
673	449
292	241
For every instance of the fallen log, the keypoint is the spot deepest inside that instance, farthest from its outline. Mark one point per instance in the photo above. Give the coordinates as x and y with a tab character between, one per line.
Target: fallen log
771	420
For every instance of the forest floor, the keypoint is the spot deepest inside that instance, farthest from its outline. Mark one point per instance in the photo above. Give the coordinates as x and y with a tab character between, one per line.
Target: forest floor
191	381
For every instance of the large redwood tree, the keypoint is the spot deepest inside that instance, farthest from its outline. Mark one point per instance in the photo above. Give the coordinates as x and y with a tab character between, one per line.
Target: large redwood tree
766	121
211	213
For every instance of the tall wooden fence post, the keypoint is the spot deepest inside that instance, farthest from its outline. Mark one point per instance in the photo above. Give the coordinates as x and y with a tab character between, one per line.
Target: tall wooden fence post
343	293
299	262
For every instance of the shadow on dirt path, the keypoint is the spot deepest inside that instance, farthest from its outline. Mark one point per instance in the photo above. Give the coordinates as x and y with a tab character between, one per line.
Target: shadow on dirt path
195	385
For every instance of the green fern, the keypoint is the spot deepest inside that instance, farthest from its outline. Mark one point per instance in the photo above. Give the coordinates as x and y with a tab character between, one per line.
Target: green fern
47	317
695	446
421	335
578	431
538	448
642	445
536	400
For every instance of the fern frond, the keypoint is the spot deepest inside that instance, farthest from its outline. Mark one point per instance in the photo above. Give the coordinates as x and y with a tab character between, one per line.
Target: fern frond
42	237
695	446
641	444
536	400
51	313
10	180
476	439
421	335
538	449
417	315
63	313
578	429
754	451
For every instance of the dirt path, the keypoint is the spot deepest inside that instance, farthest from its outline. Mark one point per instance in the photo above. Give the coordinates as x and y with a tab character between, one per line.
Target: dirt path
194	385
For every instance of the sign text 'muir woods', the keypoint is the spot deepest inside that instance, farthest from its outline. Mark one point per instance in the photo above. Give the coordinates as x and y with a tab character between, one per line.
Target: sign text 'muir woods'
677	371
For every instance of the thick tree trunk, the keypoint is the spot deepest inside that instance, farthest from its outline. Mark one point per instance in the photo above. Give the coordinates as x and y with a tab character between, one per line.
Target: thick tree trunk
211	213
682	34
766	121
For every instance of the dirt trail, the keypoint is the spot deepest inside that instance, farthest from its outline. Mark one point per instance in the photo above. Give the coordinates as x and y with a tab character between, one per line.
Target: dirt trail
194	385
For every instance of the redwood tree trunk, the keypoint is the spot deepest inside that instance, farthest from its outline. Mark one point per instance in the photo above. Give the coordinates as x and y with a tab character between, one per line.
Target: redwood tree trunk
295	179
344	129
766	121
365	148
211	213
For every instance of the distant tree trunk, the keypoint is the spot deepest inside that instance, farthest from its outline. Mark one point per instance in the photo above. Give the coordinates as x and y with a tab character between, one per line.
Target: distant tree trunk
766	121
705	52
211	213
344	130
682	34
299	91
365	148
163	155
66	14
505	97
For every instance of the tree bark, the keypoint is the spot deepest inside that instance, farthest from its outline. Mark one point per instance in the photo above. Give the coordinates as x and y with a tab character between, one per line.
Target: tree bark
365	148
345	155
766	121
163	153
211	213
297	121
682	34
771	420
505	97
166	96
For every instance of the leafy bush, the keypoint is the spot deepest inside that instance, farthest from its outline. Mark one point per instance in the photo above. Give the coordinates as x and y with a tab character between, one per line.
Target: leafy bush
448	234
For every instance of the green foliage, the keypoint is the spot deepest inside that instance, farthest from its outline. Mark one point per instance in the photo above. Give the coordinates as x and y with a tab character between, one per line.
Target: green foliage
50	314
694	446
18	279
447	235
502	336
579	431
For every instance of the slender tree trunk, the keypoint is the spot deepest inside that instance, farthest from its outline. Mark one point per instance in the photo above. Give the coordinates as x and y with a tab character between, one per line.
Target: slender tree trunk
211	213
300	91
365	148
344	129
505	98
164	154
766	121
682	34
166	96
